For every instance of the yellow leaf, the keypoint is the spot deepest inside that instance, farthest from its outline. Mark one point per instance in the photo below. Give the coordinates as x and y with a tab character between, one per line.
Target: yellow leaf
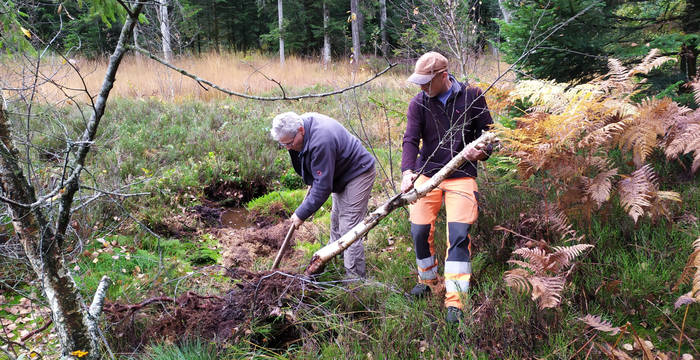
26	32
352	17
79	353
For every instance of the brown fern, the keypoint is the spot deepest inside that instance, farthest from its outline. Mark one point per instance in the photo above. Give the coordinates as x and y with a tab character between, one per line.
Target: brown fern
541	274
598	189
692	267
599	324
634	191
642	132
687	141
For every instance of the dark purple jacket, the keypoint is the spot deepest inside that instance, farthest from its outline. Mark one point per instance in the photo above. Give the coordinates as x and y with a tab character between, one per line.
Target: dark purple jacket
329	159
444	130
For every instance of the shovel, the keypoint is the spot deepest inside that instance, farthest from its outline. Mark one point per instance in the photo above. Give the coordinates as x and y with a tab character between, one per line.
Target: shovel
290	232
278	258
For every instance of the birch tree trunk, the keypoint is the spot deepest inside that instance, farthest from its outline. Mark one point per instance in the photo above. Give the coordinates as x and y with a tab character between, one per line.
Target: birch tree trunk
165	29
382	26
326	253
507	14
43	242
280	17
326	53
355	29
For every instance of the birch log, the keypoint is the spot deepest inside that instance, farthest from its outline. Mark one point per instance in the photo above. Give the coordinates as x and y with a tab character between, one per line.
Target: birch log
326	253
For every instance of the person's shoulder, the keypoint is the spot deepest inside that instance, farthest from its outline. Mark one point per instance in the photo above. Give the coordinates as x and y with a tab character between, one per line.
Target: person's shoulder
417	99
473	90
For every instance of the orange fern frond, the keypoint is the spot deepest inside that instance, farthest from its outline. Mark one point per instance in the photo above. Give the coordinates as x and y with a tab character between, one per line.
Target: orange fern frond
541	272
687	141
650	62
517	279
692	267
696	89
635	191
598	189
564	255
538	259
599	324
546	290
601	136
641	132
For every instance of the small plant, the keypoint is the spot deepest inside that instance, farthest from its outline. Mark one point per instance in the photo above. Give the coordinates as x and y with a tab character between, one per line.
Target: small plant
544	271
621	350
190	350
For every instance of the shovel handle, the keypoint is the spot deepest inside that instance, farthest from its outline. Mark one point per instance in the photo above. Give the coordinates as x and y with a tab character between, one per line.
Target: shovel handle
278	258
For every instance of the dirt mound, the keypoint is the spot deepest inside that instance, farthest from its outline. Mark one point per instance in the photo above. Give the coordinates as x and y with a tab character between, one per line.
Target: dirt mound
256	297
229	193
242	246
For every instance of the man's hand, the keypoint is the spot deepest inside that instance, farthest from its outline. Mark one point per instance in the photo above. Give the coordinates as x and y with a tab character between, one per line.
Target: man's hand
476	153
296	221
407	180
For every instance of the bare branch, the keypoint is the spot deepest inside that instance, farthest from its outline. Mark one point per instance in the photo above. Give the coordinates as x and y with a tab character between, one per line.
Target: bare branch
262	98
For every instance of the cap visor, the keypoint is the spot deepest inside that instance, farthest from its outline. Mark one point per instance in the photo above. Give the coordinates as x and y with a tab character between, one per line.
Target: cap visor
420	79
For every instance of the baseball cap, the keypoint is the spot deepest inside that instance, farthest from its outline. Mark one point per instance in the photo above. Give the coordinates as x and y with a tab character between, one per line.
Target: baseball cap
427	66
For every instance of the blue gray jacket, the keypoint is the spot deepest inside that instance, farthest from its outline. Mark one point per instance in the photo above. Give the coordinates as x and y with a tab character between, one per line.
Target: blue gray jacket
330	158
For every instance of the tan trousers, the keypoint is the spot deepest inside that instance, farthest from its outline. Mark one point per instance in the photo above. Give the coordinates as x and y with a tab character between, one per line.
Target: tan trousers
349	208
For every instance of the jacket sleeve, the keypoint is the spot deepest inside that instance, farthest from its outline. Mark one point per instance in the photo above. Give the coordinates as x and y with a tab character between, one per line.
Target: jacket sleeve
323	169
412	136
481	117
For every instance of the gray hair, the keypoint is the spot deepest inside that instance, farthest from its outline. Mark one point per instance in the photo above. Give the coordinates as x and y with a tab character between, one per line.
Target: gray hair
285	124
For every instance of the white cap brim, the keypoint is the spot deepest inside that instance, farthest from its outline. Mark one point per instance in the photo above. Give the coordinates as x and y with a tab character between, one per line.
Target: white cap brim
419	79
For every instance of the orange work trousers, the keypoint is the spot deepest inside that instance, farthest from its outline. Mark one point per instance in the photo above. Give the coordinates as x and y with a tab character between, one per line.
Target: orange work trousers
460	197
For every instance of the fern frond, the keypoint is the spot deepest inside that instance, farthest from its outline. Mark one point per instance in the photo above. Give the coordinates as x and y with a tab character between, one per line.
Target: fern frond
536	257
635	191
517	279
650	62
685	142
523	264
691	271
547	290
696	89
564	255
599	324
601	136
685	299
598	189
618	72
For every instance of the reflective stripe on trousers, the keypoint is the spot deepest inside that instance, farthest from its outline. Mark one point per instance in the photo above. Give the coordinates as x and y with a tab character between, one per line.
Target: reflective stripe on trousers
460	197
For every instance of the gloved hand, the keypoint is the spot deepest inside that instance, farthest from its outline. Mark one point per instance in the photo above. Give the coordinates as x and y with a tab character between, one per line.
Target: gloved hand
407	180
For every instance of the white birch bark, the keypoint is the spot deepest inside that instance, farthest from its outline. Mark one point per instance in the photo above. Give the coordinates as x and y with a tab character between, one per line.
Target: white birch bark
507	14
382	26
165	29
326	53
280	17
43	243
324	254
355	29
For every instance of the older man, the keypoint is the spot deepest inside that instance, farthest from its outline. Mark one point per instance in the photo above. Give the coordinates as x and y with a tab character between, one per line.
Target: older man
444	117
331	161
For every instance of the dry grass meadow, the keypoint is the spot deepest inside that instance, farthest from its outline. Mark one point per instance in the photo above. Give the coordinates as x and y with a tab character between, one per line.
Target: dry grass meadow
140	77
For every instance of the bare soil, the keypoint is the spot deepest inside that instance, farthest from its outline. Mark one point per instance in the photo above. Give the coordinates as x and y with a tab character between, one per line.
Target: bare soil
256	297
243	246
